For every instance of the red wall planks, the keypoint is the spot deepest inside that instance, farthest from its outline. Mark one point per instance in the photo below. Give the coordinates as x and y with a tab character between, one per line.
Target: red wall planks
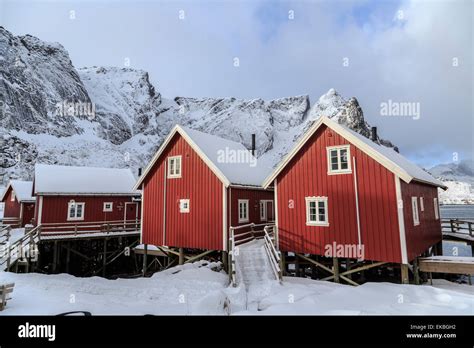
419	238
254	197
12	208
306	175
28	213
55	208
202	227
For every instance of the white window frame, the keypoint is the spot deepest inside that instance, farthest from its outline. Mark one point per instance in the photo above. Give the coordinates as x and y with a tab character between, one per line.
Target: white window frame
422	204
246	203
339	170
76	218
12	196
317	200
436	208
175	173
108	209
415	211
182	203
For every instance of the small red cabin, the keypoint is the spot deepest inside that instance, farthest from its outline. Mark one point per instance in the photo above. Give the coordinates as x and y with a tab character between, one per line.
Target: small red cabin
19	203
68	195
338	188
198	185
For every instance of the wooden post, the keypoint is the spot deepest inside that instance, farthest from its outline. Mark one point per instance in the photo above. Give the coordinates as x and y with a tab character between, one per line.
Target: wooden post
416	271
55	256
225	260
348	267
144	259
283	263
335	262
297	266
181	256
68	256
104	261
404	274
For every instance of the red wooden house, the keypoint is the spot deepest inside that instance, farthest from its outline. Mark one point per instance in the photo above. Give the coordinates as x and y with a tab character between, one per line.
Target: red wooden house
19	203
198	185
337	187
70	195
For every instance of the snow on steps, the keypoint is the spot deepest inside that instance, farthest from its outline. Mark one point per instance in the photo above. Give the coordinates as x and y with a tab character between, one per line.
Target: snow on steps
254	273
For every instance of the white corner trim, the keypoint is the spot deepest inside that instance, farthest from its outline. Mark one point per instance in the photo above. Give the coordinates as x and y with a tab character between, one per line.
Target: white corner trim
224	217
142	205
40	210
401	220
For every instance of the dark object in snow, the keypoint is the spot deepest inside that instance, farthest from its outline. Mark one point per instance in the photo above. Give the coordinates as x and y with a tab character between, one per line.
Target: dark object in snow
86	314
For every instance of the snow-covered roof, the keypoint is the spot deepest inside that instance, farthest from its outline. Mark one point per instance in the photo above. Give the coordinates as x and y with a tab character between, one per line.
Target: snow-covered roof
232	162
23	190
387	157
57	179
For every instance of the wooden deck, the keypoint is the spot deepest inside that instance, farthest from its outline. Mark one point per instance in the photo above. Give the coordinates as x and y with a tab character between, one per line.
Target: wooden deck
458	230
88	230
447	264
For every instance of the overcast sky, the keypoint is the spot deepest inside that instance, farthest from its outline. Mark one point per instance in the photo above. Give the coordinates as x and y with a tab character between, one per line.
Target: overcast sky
403	51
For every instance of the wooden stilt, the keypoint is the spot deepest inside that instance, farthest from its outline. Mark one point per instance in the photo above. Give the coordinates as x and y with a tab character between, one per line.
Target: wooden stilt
144	259
225	261
181	256
297	267
348	267
335	263
283	263
68	256
416	272
55	256
404	274
104	260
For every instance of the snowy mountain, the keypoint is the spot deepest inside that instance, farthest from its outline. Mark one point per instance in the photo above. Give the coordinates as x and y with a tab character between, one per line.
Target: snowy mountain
459	178
51	112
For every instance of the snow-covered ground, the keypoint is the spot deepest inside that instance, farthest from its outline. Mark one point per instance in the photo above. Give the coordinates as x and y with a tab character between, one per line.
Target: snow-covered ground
198	289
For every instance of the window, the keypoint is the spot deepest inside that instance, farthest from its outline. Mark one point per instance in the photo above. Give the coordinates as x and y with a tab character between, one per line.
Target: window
339	159
243	210
414	207
317	211
436	208
174	167
184	205
108	206
422	204
75	211
12	196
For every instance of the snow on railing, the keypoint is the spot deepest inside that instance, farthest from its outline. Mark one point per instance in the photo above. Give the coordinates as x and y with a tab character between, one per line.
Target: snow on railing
23	248
272	252
246	233
75	229
457	226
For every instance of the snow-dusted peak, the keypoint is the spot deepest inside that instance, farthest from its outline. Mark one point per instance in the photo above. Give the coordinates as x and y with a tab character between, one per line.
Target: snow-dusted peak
124	99
329	105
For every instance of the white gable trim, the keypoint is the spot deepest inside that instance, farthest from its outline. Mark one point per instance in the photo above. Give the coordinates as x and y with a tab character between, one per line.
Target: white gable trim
6	190
201	154
384	161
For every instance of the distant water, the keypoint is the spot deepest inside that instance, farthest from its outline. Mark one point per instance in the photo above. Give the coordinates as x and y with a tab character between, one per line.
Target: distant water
460	211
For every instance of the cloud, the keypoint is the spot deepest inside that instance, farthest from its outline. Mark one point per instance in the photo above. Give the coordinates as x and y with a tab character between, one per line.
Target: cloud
396	50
